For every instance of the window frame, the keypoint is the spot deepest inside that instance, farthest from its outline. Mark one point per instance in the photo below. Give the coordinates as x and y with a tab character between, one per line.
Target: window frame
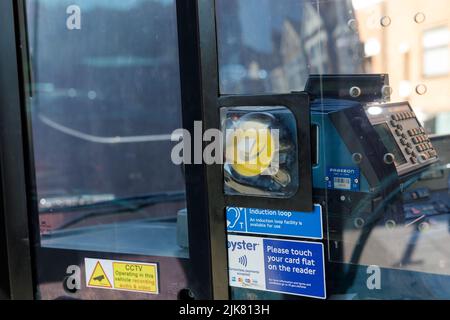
424	50
196	23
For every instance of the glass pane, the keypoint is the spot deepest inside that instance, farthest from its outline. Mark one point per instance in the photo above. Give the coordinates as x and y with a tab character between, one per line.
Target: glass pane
106	100
377	72
302	37
296	38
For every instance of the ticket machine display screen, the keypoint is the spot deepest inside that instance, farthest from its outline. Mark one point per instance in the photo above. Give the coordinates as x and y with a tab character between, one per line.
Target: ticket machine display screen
390	143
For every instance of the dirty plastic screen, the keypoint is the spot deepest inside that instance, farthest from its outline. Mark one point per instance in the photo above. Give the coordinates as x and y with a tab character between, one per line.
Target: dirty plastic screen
379	75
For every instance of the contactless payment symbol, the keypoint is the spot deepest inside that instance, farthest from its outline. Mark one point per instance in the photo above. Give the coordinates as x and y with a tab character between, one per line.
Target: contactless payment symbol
243	261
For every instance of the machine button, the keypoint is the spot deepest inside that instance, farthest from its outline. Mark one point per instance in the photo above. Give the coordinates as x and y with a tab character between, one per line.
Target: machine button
409	151
409	144
423	158
400	127
398	133
414	160
415	140
403	142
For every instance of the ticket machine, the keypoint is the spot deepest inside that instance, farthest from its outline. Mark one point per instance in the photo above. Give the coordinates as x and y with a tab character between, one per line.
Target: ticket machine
367	152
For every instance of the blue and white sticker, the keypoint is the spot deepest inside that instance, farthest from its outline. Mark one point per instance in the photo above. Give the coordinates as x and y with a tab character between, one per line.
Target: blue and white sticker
282	266
347	179
307	225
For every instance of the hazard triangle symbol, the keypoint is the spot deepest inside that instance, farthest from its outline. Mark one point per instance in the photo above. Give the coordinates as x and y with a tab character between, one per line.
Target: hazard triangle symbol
99	277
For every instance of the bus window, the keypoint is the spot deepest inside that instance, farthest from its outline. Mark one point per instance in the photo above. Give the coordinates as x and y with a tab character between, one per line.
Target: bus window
378	74
106	99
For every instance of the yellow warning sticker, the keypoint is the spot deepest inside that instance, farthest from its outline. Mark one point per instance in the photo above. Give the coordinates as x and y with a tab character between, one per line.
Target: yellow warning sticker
122	275
99	277
135	277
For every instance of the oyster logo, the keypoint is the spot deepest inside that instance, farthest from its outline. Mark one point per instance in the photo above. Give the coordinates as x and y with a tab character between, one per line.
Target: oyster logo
73	21
242	245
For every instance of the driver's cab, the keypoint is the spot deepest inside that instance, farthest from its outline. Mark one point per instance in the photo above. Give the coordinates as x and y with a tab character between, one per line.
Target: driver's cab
224	149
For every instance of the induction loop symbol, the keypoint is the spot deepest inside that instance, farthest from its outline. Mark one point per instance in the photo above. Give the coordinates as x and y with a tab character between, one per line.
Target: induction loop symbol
237	216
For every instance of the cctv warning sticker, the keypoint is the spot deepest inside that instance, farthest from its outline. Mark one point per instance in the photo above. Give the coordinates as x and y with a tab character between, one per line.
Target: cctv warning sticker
122	275
99	277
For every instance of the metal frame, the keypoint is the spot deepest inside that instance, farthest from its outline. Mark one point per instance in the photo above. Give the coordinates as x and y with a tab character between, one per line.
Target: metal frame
211	120
200	88
13	156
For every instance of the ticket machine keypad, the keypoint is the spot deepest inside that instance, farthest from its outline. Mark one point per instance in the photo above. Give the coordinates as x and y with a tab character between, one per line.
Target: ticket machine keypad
411	139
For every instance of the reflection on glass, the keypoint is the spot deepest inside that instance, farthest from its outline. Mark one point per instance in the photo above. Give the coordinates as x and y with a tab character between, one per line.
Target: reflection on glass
105	103
302	37
393	217
295	39
414	51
